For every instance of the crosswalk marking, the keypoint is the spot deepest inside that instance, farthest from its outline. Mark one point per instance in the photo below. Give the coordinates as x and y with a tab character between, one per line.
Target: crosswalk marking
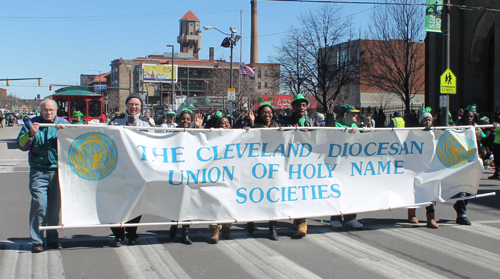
479	257
370	257
484	230
258	259
151	259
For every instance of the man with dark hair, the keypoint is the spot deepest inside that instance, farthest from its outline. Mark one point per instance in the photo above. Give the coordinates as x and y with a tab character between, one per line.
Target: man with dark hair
299	118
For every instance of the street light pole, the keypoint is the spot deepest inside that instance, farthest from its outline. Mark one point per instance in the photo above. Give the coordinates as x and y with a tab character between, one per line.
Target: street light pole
232	39
172	73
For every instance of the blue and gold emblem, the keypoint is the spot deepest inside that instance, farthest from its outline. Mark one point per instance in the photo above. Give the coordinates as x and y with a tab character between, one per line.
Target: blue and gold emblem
93	156
455	150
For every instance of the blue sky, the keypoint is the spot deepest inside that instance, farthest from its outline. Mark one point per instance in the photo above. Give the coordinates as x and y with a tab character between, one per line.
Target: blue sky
58	40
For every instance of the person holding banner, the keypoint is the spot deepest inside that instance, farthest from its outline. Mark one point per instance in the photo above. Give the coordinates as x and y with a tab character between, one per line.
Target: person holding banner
223	123
131	117
461	205
41	142
426	120
349	118
264	119
299	118
186	120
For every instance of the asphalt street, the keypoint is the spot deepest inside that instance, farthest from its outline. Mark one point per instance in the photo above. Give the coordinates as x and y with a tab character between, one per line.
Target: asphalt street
387	247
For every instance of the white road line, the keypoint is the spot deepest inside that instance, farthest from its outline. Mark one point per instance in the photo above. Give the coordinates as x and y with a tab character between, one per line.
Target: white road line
133	267
451	248
149	261
9	260
162	254
39	263
25	261
369	257
483	230
55	264
261	261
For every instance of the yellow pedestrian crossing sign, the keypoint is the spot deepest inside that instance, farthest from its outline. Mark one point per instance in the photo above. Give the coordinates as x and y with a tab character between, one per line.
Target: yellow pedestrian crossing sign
448	82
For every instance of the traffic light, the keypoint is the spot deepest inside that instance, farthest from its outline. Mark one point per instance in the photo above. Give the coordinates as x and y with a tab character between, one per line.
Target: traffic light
39	82
8	82
147	87
50	87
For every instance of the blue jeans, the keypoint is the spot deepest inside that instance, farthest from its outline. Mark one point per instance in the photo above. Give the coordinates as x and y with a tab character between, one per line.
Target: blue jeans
461	206
45	204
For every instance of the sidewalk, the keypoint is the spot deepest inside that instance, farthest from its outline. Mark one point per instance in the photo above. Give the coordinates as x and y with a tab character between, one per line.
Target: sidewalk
10	155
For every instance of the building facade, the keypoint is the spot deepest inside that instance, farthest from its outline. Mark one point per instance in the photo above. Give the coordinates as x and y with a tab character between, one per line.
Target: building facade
474	39
195	77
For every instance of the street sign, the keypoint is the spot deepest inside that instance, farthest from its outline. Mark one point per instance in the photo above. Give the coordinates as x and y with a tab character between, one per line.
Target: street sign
231	94
443	101
100	86
448	82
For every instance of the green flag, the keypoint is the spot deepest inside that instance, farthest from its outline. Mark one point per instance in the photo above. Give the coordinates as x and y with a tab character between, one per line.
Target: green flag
433	12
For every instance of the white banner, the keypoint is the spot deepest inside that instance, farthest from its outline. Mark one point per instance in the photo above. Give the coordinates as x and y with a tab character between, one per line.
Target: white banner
109	175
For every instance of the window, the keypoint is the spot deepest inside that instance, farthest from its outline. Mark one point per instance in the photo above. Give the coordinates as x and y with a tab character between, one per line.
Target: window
265	84
265	73
258	73
95	108
258	85
80	105
190	33
190	24
62	108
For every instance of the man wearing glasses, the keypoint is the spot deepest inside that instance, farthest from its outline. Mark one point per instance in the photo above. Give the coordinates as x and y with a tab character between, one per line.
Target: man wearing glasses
131	117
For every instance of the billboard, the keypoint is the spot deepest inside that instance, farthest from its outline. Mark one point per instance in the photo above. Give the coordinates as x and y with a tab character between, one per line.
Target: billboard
159	73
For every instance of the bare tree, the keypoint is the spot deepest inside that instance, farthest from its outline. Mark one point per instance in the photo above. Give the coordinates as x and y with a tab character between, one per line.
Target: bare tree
219	83
313	60
395	60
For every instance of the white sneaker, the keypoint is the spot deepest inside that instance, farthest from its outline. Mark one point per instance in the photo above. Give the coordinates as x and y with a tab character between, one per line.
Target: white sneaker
336	224
354	224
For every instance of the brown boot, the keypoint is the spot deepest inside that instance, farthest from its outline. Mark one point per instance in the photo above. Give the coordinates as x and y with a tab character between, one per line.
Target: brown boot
226	234
215	234
431	223
412	218
302	229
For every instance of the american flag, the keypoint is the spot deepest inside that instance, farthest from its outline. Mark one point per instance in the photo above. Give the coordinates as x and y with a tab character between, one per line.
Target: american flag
245	70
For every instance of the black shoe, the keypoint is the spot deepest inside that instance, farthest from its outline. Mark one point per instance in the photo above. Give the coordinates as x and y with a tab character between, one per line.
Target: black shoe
55	245
37	248
185	239
132	242
463	221
272	231
494	177
117	242
250	227
173	231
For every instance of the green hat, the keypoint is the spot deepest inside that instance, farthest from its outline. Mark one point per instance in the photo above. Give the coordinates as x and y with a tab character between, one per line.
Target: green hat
171	112
300	98
485	119
77	113
348	108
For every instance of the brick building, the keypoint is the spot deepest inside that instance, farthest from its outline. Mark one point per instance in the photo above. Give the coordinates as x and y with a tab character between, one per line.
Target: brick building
196	78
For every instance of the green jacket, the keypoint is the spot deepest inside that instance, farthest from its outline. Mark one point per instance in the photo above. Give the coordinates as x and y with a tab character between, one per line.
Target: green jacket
43	146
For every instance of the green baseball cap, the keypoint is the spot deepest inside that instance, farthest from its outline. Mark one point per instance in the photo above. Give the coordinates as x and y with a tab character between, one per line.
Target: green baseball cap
348	108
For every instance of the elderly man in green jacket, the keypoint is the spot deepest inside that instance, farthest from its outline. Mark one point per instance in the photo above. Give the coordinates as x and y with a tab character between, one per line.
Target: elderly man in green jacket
41	142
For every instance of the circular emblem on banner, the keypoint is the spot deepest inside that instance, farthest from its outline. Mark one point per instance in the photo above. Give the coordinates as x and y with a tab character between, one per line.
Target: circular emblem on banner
455	150
93	156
